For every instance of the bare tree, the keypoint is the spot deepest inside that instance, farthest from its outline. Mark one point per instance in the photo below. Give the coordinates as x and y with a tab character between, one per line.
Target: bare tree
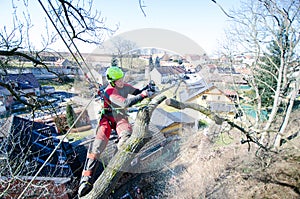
69	23
122	47
269	31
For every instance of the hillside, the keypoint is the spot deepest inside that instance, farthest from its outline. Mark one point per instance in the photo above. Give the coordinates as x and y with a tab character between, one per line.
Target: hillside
225	168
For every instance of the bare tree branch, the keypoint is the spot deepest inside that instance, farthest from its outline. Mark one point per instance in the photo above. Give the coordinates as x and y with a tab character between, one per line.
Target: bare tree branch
142	6
222	9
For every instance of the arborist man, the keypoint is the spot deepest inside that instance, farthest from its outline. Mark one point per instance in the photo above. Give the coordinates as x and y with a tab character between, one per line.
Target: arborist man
116	100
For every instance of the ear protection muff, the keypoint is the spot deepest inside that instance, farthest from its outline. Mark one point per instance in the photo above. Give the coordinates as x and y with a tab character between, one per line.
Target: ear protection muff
111	82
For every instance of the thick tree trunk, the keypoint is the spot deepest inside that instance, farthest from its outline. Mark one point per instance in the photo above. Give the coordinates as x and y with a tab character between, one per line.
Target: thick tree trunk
120	163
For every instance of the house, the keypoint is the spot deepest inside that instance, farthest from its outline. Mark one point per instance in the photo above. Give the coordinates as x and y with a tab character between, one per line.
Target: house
222	77
166	74
207	95
197	59
26	145
171	60
63	63
23	84
171	123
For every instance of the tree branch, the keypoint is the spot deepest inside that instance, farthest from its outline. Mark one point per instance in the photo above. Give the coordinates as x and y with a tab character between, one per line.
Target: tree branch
122	159
217	119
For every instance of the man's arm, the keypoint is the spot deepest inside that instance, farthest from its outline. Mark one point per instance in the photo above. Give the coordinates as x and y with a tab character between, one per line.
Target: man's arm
122	102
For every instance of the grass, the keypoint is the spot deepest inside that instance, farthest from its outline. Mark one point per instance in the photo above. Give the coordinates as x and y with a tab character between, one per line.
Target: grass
58	85
80	135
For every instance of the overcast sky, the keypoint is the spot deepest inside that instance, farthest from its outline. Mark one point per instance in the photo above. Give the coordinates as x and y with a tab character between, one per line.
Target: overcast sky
200	20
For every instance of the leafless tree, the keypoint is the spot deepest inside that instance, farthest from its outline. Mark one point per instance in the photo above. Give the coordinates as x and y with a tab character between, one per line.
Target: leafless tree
61	22
268	31
121	48
66	22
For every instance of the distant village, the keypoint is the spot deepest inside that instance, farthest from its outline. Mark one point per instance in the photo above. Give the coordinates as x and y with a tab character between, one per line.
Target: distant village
213	83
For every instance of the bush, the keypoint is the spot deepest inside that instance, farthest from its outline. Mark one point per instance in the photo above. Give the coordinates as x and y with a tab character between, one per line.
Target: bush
202	124
70	114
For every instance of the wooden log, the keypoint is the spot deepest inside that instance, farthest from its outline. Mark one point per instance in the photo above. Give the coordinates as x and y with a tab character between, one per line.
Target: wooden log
179	105
120	163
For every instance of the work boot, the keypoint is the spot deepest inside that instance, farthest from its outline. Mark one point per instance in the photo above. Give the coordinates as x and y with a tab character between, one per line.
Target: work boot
88	177
84	188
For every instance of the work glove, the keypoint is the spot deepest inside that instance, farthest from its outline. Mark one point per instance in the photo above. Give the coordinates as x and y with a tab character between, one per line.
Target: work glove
150	94
147	93
151	86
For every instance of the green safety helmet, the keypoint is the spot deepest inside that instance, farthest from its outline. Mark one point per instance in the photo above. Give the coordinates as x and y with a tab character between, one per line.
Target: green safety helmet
114	73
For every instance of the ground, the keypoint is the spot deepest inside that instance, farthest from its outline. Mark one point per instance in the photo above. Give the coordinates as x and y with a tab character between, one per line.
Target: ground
206	169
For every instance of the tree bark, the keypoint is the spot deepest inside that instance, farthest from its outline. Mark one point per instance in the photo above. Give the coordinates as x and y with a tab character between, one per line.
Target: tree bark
287	116
120	163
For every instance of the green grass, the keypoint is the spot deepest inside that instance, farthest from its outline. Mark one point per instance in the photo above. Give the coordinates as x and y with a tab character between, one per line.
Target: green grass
80	135
58	85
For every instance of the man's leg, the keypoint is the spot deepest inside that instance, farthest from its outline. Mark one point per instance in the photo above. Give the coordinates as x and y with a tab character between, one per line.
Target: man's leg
124	130
93	158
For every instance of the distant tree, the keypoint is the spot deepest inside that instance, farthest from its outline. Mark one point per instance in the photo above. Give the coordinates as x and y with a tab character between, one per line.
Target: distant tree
180	61
122	47
114	61
70	115
267	73
157	62
151	61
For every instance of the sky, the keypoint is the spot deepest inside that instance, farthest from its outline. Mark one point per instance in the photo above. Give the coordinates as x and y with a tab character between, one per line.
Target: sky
200	20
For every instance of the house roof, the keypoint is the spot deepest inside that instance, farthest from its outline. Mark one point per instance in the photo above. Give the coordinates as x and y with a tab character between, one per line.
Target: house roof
165	57
23	81
221	107
167	70
194	89
161	118
16	124
63	62
229	92
226	70
40	139
82	145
